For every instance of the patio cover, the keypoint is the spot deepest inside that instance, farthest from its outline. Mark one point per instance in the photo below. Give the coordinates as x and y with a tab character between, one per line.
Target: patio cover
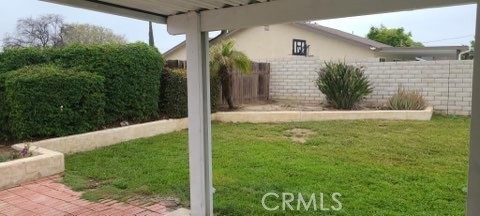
196	18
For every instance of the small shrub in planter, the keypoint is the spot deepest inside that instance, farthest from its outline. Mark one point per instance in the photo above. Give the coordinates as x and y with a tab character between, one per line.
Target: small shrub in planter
406	100
343	85
14	154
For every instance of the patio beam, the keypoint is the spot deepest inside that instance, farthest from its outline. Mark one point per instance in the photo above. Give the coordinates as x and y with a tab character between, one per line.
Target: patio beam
98	6
473	203
281	11
199	118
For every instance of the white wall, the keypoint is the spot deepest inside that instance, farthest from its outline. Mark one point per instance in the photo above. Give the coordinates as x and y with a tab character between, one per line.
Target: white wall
445	84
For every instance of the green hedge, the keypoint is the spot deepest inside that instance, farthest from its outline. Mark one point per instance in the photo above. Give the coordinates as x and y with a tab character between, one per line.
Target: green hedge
14	59
132	74
131	71
173	100
4	111
46	101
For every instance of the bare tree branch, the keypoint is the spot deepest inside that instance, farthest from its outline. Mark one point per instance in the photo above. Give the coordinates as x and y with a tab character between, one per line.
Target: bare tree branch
50	30
35	32
90	34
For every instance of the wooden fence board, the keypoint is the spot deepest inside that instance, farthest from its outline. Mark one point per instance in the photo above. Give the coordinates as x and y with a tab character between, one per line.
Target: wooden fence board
247	88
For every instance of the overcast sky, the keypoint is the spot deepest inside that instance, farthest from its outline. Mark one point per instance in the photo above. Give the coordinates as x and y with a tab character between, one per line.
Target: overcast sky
433	27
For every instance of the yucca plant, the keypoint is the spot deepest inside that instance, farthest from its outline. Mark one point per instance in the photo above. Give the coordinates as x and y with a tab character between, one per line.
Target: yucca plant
343	85
406	100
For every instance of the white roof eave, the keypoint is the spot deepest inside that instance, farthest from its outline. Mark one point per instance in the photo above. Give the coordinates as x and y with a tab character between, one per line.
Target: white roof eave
245	13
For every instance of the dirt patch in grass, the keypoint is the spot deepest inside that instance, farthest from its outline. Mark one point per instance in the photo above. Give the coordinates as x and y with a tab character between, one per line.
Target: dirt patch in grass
92	184
300	135
171	203
103	191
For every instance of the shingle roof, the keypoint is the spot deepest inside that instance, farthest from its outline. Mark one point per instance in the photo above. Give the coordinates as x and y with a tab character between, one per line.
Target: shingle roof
344	35
367	43
220	36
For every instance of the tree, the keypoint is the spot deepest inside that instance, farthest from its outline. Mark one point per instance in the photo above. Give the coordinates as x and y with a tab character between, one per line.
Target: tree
50	30
89	34
151	39
223	60
396	37
470	55
43	31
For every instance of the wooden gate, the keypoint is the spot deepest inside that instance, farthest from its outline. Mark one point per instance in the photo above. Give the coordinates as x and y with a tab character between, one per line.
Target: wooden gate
247	88
252	87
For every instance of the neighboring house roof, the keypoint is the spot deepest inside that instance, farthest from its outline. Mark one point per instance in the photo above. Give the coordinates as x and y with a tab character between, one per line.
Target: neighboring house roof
311	27
423	51
340	34
222	35
434	49
367	43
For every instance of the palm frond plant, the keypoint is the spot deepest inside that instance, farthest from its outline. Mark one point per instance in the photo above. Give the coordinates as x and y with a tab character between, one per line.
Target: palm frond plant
343	85
224	59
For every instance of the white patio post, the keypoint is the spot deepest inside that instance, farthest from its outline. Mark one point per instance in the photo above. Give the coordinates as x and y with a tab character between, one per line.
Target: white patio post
473	206
199	124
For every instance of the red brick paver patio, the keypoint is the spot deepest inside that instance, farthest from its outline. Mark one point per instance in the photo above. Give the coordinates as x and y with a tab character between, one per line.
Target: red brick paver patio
48	197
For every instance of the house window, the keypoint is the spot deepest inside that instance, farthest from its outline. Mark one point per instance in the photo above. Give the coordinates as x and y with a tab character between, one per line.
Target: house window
299	47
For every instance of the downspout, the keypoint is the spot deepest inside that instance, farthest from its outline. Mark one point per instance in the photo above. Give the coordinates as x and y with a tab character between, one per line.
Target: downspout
462	53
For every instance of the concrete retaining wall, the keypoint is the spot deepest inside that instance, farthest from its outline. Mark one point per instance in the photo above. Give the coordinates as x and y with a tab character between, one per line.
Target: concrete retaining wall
97	139
298	116
48	157
43	163
446	85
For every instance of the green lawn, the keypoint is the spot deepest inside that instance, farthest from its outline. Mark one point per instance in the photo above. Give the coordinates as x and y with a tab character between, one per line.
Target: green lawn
379	167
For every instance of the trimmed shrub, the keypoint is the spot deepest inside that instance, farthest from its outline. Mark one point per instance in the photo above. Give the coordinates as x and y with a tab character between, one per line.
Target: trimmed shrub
343	85
13	59
4	132
131	71
173	100
47	101
132	76
406	100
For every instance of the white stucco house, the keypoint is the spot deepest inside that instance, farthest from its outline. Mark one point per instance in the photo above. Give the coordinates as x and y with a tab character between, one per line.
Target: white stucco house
309	39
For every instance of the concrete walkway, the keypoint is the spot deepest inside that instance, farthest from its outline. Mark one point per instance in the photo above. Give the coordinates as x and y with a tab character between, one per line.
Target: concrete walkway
48	197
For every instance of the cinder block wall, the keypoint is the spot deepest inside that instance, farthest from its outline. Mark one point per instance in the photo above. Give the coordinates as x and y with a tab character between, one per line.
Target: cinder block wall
447	85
